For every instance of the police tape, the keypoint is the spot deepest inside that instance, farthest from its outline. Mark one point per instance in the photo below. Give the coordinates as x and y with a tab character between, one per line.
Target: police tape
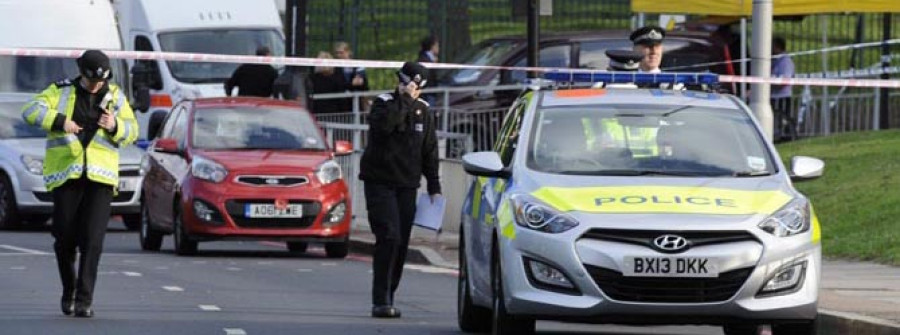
302	61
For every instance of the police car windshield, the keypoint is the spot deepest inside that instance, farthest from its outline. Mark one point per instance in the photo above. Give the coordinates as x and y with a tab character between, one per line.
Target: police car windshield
12	125
647	140
223	42
255	128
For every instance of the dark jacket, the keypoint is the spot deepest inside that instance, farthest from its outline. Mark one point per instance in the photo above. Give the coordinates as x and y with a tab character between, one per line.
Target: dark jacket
327	83
346	80
402	143
253	79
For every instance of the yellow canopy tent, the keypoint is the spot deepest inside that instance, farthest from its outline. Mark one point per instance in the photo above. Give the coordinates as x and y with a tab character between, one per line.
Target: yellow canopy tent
781	7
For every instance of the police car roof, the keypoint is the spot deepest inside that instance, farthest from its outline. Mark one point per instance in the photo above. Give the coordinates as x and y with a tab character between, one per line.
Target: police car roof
631	96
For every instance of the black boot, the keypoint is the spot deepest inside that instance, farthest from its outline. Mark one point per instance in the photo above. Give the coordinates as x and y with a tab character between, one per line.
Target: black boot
67	304
83	310
385	311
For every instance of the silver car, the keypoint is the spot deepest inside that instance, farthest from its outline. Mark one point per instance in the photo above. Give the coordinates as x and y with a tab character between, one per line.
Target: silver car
637	206
23	197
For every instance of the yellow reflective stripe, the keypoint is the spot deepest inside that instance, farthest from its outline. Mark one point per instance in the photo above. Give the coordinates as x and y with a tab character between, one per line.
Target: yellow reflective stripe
662	199
816	229
505	220
61	141
36	107
476	197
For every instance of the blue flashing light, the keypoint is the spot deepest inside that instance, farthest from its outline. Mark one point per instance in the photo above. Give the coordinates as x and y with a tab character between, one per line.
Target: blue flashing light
614	77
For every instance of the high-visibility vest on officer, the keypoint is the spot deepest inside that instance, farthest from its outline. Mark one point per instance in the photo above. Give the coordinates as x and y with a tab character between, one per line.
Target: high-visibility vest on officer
87	120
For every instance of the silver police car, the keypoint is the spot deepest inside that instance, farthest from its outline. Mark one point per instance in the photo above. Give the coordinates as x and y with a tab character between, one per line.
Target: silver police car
637	206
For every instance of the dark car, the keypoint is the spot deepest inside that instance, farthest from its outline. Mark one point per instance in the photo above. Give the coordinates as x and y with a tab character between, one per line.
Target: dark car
571	50
244	169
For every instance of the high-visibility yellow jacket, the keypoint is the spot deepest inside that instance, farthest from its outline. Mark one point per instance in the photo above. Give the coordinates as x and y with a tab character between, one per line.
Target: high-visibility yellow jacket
66	157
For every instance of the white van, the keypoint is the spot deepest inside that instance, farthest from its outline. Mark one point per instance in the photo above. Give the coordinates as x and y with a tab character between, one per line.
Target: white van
232	27
51	24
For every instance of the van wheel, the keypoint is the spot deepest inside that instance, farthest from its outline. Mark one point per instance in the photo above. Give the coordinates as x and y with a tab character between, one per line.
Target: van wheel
151	239
338	249
9	210
184	246
503	323
471	318
132	221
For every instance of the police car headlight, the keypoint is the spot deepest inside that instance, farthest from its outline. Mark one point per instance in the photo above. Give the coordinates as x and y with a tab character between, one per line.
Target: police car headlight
207	169
792	219
328	172
532	214
33	164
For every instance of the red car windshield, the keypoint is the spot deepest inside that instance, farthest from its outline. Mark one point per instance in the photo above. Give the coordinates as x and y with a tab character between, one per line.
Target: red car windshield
255	128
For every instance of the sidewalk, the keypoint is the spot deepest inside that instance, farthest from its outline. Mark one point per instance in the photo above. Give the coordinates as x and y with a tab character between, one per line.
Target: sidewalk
855	298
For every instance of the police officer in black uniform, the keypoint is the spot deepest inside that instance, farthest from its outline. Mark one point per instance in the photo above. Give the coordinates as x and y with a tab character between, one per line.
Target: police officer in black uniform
648	41
624	60
402	146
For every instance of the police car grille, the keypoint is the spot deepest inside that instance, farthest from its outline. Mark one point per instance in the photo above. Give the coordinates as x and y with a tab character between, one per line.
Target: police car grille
645	237
235	209
668	289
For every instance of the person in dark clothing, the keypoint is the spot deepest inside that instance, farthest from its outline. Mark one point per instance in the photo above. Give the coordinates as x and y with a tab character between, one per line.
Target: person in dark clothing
353	79
402	147
91	121
325	80
428	53
255	80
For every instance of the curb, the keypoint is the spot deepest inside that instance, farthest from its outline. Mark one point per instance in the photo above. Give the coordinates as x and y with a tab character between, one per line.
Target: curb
841	323
415	254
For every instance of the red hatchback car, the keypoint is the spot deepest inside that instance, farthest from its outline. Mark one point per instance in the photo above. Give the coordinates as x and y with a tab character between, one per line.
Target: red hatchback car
243	169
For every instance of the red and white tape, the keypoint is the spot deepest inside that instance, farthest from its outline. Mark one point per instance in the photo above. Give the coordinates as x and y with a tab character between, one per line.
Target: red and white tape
301	61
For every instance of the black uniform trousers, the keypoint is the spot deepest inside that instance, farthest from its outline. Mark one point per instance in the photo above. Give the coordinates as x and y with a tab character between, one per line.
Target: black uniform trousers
391	213
81	210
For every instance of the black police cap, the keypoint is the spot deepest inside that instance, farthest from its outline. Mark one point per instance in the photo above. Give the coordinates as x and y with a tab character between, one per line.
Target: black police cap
624	60
94	64
413	72
648	35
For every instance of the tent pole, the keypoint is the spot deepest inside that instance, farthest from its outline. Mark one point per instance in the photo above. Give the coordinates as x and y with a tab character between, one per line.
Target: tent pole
762	64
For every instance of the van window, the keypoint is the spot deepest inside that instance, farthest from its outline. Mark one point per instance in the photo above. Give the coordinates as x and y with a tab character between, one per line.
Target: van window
142	43
221	41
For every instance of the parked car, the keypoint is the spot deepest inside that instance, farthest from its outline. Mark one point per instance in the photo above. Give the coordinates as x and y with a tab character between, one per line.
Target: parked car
23	197
243	169
479	112
637	206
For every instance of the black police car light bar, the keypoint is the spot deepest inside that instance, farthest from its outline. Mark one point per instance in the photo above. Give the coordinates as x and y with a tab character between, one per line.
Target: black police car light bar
639	78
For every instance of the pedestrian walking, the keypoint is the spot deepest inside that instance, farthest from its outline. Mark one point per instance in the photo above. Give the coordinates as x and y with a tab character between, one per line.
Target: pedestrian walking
402	147
256	80
87	120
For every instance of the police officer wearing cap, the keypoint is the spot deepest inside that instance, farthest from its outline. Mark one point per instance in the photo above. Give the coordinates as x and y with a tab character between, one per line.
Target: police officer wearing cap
648	41
402	146
87	120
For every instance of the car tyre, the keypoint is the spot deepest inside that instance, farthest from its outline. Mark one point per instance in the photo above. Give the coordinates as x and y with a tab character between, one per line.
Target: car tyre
184	246
36	220
471	318
132	221
9	210
298	247
338	249
502	323
151	239
740	329
799	328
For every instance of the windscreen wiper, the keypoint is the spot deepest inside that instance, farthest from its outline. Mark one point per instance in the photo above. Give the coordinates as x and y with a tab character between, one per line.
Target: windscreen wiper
751	173
628	172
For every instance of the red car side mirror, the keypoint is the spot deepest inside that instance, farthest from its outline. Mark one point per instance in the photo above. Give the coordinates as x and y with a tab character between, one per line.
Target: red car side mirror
166	145
342	148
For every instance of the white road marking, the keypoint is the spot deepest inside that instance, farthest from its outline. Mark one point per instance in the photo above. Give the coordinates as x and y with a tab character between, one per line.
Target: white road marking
173	289
304	270
209	308
23	250
130	261
328	264
131	274
234	331
233	269
264	263
430	269
198	262
17	268
161	268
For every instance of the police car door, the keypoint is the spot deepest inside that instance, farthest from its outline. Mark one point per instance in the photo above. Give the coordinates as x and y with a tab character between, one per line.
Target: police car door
489	191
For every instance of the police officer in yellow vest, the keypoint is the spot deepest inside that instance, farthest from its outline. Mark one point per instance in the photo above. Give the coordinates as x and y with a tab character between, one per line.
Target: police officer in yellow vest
87	120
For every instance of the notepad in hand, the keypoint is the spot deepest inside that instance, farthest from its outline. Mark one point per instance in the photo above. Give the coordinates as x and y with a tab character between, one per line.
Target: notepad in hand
430	215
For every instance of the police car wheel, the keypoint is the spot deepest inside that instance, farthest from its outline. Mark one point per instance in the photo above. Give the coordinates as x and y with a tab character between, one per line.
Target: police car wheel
799	328
471	318
183	245
740	329
9	214
503	323
151	240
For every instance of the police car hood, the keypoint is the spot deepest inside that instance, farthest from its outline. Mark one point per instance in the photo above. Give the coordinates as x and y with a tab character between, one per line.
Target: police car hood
36	147
660	202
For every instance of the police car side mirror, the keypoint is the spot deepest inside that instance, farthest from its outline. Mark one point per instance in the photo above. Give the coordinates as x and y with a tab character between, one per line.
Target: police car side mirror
805	168
484	164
